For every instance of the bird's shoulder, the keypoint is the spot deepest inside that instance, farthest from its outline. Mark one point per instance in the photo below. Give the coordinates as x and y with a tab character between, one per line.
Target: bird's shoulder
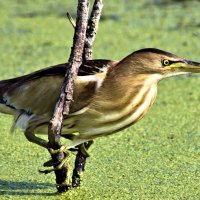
37	92
89	67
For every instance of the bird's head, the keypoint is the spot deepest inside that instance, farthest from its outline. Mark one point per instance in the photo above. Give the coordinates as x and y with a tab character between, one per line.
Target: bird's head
155	61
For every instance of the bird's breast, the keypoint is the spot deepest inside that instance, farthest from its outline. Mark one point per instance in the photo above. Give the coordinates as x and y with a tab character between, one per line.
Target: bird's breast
114	118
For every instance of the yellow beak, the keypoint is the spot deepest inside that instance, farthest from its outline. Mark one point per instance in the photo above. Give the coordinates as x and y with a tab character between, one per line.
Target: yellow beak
185	66
190	66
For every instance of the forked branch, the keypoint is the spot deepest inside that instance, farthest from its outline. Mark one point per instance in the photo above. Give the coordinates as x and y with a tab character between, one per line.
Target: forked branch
63	103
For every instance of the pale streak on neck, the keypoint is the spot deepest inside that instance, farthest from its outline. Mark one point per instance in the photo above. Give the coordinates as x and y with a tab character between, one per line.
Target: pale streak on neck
102	124
107	129
134	98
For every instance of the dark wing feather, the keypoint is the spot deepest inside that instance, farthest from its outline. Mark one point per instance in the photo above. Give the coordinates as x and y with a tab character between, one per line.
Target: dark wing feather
37	92
87	68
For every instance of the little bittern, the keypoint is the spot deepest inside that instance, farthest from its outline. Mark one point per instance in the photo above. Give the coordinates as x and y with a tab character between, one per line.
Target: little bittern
109	96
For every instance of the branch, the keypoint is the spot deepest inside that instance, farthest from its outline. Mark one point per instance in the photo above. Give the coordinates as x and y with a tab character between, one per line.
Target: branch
71	20
92	29
66	96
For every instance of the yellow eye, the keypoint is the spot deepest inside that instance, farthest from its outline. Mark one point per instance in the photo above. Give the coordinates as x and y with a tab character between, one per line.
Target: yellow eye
166	62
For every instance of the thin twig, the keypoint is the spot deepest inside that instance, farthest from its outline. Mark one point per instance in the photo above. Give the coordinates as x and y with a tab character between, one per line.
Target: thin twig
71	20
92	29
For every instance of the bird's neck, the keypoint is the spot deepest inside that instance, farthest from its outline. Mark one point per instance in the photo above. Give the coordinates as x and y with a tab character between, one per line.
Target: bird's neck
117	92
121	102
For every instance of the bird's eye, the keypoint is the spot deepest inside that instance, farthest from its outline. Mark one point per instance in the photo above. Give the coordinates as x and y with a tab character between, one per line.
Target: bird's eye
166	62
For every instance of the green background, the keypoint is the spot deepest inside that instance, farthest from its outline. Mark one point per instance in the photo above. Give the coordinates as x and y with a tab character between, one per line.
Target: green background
159	157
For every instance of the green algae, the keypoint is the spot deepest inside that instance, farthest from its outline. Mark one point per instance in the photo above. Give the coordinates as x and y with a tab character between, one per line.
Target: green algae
158	158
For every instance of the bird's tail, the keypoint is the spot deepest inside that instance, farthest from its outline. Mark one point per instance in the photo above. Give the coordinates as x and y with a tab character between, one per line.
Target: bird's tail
4	86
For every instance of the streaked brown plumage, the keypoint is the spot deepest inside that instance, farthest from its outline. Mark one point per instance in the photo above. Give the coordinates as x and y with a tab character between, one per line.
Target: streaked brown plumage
109	96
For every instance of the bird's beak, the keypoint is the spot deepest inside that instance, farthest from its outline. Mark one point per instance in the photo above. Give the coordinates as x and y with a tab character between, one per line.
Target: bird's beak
190	66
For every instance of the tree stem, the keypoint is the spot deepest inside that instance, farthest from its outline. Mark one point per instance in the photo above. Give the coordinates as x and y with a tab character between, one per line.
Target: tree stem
66	95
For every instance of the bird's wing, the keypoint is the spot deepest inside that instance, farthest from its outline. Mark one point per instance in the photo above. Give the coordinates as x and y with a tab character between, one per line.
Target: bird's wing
36	93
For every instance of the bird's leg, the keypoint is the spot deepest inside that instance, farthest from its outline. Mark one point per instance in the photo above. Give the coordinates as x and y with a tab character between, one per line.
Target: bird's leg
80	161
30	136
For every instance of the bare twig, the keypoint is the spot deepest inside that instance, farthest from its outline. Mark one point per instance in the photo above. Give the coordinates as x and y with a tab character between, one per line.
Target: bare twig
62	106
71	20
87	55
92	29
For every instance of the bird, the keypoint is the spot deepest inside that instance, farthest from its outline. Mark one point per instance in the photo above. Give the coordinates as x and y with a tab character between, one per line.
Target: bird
109	96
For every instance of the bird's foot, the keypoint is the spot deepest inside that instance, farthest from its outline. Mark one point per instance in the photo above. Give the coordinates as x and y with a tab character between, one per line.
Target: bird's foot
61	149
56	165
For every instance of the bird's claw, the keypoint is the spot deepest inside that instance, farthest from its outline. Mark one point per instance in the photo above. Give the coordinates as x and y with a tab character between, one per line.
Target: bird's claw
46	171
50	163
57	165
56	151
